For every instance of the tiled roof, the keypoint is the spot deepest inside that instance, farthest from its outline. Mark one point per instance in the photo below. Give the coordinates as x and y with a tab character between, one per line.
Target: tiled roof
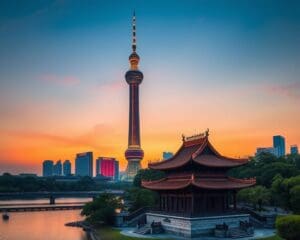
170	184
200	151
218	161
204	183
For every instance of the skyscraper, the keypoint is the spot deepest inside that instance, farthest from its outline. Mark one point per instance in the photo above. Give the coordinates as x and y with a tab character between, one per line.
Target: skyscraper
279	144
67	168
294	149
47	168
107	167
84	164
57	168
134	154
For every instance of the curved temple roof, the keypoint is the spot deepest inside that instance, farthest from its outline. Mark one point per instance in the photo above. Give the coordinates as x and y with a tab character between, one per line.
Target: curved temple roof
199	150
204	183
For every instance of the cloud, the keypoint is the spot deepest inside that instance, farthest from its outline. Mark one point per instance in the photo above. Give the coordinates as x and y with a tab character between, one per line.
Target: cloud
100	136
62	80
110	86
290	90
32	135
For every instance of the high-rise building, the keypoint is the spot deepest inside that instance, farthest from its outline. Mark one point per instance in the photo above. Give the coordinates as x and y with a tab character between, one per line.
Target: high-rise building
107	167
84	164
271	150
47	168
67	168
134	153
57	168
279	143
167	155
294	149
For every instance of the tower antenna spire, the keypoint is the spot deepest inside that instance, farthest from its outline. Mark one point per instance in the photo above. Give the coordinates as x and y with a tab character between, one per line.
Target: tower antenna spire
134	77
133	32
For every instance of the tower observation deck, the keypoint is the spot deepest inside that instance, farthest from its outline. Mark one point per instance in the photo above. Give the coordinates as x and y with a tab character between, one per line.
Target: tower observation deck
134	154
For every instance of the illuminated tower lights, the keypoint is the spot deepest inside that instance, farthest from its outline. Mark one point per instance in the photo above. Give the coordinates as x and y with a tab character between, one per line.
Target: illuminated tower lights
134	154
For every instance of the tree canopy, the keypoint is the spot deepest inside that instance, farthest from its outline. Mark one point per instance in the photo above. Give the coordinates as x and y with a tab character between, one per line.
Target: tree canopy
102	209
147	174
139	198
278	180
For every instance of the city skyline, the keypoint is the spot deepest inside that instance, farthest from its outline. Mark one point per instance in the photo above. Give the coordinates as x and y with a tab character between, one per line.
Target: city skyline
216	65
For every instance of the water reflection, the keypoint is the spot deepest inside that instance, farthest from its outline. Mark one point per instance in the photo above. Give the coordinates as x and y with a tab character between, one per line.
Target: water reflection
48	225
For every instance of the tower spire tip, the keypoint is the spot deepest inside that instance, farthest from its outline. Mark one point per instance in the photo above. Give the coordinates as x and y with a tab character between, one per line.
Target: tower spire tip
133	32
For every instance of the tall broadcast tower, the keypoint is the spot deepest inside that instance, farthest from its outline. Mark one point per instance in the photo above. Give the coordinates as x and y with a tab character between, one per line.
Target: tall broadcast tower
134	153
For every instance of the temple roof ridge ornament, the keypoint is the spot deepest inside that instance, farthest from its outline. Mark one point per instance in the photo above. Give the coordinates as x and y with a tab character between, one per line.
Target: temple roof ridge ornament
196	136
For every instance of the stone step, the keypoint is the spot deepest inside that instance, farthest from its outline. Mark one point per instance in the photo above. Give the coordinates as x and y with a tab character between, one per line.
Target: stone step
143	230
238	233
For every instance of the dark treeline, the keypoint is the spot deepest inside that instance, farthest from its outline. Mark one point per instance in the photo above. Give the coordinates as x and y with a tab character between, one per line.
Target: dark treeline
278	181
10	183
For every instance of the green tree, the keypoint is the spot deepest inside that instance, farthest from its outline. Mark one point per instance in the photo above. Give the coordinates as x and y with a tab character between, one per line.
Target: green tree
86	183
295	199
102	209
147	174
294	159
265	167
282	193
258	195
139	198
278	194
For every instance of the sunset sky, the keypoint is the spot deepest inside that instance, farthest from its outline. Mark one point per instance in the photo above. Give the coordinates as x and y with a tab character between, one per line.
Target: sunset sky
230	66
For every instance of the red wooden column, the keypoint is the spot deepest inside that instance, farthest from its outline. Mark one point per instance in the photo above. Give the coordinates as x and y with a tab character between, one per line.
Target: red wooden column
204	201
176	204
234	200
192	203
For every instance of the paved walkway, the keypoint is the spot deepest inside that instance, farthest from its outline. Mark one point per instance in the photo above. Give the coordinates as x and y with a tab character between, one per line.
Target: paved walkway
258	233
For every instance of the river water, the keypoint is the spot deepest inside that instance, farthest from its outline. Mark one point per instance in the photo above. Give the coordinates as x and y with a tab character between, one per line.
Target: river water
44	225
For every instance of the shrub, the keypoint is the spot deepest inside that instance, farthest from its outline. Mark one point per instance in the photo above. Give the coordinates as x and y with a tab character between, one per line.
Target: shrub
288	227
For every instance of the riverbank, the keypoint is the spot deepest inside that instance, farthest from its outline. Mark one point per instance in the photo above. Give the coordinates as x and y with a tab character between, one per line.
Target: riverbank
88	228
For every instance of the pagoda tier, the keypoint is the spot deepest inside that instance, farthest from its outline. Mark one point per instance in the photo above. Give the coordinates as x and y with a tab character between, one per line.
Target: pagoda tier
197	180
199	150
204	183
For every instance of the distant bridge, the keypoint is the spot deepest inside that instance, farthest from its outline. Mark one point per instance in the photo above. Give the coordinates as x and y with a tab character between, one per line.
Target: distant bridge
40	208
53	195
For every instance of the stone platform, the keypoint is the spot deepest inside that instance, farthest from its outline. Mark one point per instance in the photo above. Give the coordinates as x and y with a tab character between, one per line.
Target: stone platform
191	227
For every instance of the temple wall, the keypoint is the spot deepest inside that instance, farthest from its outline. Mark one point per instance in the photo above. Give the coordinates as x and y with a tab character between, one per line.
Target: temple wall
193	227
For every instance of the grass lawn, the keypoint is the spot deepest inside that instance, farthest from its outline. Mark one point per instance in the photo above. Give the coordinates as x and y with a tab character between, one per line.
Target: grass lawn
107	233
271	238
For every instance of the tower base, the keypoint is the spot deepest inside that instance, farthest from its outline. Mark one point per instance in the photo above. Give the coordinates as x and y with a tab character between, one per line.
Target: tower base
132	169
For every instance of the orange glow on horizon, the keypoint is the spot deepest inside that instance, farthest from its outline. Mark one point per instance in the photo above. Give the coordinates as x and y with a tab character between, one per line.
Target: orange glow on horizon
32	149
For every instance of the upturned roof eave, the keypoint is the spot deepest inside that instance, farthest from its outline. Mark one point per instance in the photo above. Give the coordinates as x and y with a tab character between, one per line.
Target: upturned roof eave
205	143
237	184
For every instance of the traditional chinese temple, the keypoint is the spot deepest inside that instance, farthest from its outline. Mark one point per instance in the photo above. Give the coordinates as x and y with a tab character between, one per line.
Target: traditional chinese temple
197	186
